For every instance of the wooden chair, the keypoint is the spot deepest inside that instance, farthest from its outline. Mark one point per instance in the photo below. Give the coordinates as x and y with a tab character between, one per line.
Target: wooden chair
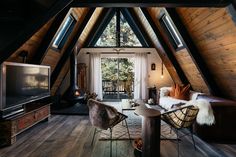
181	118
104	117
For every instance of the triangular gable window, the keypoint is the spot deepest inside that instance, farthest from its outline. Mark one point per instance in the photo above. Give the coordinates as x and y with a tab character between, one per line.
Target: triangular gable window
127	36
118	33
108	37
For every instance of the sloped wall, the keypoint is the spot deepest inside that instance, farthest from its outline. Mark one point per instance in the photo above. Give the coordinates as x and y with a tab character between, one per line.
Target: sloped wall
191	71
30	45
184	59
214	33
63	76
156	43
53	56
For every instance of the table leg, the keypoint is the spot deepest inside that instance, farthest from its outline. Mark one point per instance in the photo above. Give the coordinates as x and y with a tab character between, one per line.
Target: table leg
151	136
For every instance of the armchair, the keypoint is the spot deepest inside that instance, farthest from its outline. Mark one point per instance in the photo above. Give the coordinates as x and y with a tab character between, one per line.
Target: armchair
104	117
181	118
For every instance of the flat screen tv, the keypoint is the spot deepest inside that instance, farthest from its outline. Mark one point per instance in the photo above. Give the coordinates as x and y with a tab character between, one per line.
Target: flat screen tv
21	84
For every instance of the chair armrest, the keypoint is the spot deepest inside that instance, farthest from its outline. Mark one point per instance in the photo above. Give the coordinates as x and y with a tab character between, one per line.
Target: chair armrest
175	109
111	112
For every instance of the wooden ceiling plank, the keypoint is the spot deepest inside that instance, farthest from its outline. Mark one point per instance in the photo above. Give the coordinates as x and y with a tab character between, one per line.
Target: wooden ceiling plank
37	59
167	50
152	3
100	25
194	53
31	27
136	26
71	46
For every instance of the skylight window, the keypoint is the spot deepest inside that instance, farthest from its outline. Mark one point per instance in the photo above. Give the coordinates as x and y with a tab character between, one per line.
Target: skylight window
64	32
172	32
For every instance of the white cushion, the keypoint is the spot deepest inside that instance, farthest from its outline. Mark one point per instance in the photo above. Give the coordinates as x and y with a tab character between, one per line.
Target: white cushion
205	114
167	102
164	91
193	95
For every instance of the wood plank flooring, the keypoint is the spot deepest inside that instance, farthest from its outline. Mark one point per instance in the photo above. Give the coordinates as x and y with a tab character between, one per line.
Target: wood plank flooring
70	136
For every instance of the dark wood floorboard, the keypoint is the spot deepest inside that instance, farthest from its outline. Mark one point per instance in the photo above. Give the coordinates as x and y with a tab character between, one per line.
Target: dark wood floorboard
71	136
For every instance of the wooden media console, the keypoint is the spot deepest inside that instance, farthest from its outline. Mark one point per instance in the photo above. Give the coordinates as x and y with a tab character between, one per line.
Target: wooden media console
12	126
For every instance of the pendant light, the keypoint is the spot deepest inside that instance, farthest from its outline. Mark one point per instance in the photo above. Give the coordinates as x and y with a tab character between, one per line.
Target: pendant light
162	73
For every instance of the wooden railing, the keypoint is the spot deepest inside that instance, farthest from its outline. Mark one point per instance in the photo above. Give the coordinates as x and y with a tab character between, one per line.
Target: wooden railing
110	86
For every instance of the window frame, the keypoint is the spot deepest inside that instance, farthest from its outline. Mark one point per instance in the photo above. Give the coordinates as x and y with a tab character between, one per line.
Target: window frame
118	33
64	32
172	32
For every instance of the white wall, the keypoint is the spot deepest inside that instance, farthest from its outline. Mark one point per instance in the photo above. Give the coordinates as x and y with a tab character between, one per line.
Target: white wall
154	76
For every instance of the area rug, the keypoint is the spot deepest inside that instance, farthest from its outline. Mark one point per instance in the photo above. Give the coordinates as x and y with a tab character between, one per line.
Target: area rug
120	133
135	127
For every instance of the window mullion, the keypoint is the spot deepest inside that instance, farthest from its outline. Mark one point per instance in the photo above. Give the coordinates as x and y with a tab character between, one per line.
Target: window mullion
118	27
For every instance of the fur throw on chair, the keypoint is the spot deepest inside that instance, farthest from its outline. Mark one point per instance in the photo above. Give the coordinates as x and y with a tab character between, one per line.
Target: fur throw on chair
205	113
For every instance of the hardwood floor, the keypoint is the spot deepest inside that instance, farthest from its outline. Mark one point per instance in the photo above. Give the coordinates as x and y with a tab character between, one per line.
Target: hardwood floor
70	136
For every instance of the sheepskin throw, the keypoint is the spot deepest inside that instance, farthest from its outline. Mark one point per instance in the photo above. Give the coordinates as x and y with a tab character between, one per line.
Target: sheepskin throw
205	114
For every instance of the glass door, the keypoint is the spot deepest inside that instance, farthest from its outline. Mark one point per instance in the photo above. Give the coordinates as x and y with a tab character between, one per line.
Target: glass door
117	78
109	78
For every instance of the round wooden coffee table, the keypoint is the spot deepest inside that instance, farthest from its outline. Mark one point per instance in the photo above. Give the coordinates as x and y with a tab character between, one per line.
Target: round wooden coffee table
150	131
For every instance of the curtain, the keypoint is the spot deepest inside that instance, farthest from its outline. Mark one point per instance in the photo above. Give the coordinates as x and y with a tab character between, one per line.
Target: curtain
95	74
140	76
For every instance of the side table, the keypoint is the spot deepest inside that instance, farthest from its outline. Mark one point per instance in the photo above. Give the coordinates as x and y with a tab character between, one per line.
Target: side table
150	131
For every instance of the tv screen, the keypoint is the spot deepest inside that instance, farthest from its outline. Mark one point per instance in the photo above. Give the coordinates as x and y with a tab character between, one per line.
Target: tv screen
25	82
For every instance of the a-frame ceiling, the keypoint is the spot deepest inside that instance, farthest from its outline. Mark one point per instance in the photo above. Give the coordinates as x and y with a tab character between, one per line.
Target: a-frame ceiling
21	19
59	8
115	15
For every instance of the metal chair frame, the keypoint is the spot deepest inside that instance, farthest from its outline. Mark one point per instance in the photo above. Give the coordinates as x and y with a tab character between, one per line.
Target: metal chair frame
177	127
121	118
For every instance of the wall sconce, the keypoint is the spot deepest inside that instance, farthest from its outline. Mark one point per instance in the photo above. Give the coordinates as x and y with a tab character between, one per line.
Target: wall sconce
162	72
153	66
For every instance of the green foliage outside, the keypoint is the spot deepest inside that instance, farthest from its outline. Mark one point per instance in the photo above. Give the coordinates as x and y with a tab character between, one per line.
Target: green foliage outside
126	73
110	69
109	35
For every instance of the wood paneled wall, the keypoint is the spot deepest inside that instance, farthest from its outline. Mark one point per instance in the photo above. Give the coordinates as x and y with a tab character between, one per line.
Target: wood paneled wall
89	27
79	45
53	56
214	33
191	71
156	43
30	45
167	64
185	61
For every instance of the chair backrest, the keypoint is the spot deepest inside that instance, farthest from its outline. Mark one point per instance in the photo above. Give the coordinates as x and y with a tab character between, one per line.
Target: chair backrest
182	118
101	115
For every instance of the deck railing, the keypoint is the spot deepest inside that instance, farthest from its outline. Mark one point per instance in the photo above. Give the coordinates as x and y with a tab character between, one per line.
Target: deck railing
111	87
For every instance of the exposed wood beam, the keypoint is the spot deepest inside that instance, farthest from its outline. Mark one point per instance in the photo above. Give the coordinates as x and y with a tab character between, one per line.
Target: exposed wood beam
37	59
29	28
234	4
117	26
152	3
232	11
194	53
136	26
166	48
71	46
100	25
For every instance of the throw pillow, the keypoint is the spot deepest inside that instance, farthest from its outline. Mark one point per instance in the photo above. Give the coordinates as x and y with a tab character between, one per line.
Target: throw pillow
182	92
172	91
